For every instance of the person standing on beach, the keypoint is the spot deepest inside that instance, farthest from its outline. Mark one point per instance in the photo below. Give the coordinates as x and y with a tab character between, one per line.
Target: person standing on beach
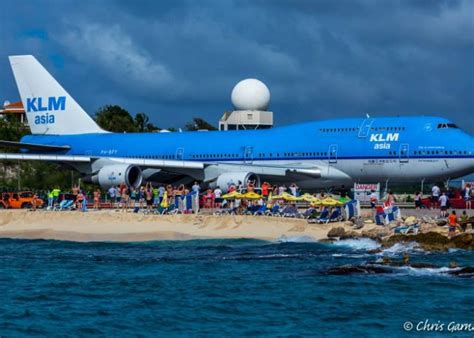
80	197
373	199
390	199
56	193
195	188
97	199
84	203
149	196
113	195
464	219
50	199
418	202
34	201
161	193
467	196
217	196
443	204
265	187
294	189
124	198
453	223
435	192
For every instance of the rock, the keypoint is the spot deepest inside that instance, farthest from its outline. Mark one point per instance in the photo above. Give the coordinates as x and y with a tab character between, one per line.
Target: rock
410	220
433	241
348	223
467	272
376	234
369	221
336	232
441	222
462	241
351	269
349	234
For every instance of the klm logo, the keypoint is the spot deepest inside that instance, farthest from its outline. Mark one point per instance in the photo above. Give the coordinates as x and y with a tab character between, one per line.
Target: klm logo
45	108
381	138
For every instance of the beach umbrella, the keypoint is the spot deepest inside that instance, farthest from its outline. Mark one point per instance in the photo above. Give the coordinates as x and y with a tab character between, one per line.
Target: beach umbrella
309	198
344	200
251	196
315	201
330	202
287	197
164	202
232	195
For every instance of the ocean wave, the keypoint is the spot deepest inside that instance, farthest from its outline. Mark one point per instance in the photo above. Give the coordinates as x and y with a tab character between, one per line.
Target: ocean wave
400	248
441	271
296	239
358	243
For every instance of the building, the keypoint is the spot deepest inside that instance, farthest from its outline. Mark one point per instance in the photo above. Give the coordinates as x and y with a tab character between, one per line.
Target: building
250	98
246	119
14	110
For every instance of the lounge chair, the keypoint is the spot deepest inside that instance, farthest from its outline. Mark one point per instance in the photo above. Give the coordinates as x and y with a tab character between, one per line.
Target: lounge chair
323	217
64	205
274	211
310	213
227	211
336	215
261	211
407	229
290	211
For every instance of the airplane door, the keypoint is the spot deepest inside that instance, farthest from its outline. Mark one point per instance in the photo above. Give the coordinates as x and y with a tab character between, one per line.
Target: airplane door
404	152
248	154
332	153
364	128
179	154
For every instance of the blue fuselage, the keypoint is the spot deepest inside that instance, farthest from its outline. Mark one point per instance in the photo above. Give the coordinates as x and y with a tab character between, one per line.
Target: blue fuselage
359	147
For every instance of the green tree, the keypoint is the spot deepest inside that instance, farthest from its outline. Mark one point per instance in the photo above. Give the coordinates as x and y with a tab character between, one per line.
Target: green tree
198	123
115	119
142	123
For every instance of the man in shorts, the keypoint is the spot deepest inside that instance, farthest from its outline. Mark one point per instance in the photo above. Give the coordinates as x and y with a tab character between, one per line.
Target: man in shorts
453	223
435	192
443	204
467	196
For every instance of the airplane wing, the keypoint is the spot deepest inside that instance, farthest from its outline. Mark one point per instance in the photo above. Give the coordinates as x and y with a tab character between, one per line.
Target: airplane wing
145	163
33	146
266	171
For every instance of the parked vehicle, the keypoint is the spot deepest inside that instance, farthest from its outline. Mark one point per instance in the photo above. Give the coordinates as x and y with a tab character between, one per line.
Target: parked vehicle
19	200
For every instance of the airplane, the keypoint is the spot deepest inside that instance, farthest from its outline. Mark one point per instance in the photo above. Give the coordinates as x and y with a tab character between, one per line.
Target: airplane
319	154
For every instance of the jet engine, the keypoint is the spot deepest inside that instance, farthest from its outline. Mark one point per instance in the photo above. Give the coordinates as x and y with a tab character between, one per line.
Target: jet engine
225	179
117	174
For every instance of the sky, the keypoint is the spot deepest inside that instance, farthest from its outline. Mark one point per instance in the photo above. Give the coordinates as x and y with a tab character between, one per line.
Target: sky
175	60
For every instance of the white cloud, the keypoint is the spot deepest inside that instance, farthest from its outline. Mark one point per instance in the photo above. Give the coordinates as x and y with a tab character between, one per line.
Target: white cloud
111	50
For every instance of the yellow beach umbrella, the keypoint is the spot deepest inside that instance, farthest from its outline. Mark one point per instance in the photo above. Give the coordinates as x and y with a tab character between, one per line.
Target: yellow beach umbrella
251	196
164	202
315	201
309	198
232	195
330	202
285	196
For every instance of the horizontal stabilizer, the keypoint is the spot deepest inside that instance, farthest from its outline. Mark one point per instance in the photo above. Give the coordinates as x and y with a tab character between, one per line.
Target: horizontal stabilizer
33	146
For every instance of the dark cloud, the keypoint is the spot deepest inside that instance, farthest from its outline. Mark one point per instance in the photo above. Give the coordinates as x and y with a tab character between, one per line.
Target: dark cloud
179	59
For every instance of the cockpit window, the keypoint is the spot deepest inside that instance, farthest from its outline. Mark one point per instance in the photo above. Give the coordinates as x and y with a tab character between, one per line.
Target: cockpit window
447	125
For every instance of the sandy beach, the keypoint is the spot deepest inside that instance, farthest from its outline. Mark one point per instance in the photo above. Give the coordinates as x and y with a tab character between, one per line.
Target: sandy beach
109	225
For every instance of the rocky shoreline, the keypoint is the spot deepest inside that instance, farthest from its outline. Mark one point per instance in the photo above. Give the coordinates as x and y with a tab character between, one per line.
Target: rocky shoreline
430	236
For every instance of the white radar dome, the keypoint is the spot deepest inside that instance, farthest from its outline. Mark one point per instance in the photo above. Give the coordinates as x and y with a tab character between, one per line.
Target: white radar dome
250	94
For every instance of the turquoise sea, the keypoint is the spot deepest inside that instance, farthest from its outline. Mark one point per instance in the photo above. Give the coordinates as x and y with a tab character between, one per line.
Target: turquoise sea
221	288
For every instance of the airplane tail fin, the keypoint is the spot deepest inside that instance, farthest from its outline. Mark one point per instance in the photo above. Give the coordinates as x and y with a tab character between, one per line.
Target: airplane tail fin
49	108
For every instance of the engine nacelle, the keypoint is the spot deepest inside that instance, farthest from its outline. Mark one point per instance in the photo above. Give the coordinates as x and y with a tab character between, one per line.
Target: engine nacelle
224	179
117	174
